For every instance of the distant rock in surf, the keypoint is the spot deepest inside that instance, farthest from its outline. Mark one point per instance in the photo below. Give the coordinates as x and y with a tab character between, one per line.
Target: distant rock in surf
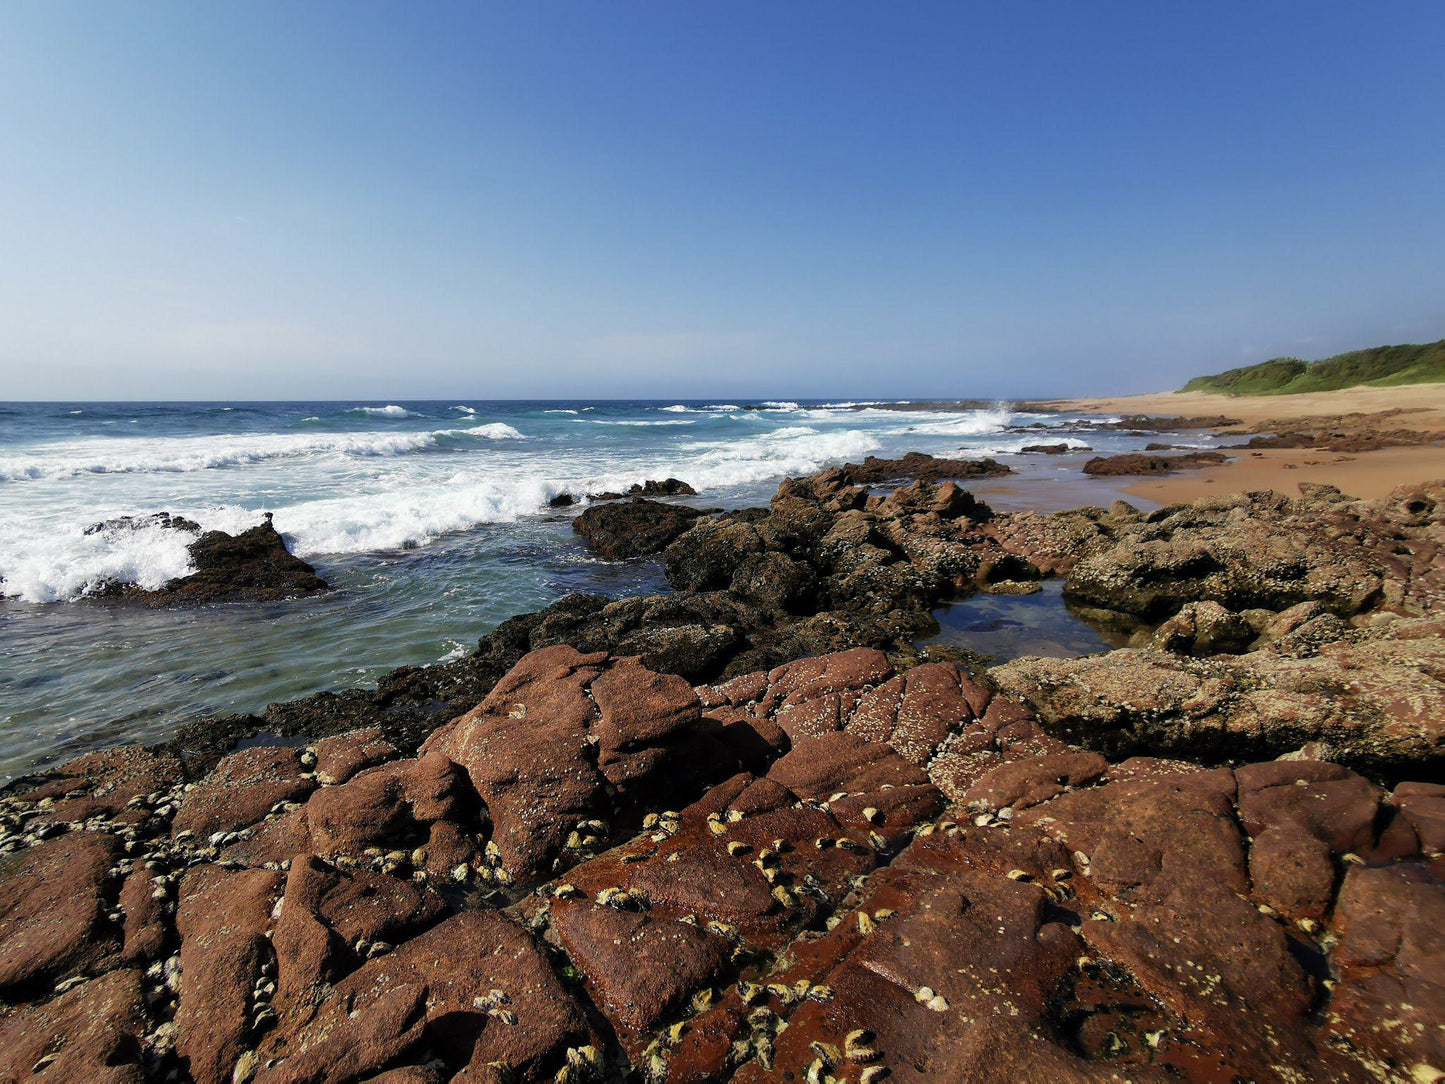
253	566
140	523
668	487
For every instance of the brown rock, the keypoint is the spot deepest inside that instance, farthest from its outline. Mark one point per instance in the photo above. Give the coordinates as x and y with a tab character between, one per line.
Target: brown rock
52	911
91	1033
222	919
638	966
341	756
242	789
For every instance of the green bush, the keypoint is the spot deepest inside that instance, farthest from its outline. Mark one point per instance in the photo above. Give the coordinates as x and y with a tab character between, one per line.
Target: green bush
1379	365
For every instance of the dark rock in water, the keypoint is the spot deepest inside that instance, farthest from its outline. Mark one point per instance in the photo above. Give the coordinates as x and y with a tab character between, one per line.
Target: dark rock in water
1139	463
252	566
668	487
1155	446
920	466
136	523
1155	424
562	500
634	529
1050	449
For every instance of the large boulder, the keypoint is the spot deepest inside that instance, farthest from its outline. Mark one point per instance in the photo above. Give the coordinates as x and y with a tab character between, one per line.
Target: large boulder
633	529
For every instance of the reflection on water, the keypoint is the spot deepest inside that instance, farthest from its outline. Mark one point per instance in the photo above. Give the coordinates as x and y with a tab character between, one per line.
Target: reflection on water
1009	626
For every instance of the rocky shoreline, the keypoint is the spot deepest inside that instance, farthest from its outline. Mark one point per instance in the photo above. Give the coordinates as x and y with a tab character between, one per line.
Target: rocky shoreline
751	831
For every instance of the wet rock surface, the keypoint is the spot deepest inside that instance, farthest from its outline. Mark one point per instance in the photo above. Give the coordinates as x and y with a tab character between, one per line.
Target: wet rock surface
920	466
1130	463
832	869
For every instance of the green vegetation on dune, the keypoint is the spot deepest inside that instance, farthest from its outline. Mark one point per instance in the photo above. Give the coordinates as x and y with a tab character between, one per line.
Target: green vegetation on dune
1379	365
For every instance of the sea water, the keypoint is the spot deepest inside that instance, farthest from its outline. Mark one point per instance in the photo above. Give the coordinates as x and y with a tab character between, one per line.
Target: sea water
430	518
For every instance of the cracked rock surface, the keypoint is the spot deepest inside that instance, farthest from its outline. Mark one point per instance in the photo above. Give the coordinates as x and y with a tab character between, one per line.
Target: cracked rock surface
827	870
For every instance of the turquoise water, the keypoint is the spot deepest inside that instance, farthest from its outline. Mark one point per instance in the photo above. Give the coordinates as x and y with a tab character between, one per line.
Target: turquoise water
430	518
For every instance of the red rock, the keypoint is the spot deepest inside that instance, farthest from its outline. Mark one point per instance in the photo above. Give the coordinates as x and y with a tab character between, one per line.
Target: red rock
1292	872
91	1033
222	920
915	711
1390	997
1422	806
241	791
638	967
560	734
840	761
404	803
422	1000
103	783
145	927
1028	781
52	911
341	756
326	913
1331	803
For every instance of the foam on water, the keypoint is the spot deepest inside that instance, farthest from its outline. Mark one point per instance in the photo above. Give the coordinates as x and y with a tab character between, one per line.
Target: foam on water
389	411
351	493
171	455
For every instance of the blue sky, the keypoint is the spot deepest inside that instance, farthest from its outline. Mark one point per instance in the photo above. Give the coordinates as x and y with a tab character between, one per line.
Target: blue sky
382	200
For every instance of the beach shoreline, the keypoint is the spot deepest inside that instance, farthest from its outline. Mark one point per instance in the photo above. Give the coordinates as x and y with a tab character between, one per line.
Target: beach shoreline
1368	474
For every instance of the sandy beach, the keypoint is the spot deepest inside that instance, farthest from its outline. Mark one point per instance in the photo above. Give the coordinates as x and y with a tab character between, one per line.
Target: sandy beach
1367	474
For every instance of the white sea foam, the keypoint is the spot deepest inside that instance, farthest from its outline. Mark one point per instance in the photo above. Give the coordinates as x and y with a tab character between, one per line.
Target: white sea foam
49	568
170	455
491	431
972	423
560	410
391	411
652	421
464	409
677	409
780	404
409	515
719	464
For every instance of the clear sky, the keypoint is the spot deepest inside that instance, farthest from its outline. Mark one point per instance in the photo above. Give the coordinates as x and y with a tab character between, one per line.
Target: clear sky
685	197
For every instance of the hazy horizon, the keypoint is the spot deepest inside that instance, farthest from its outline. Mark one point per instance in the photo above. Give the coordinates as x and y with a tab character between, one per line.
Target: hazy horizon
570	201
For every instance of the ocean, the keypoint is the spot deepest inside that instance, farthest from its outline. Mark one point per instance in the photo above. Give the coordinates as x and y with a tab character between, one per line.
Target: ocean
430	518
